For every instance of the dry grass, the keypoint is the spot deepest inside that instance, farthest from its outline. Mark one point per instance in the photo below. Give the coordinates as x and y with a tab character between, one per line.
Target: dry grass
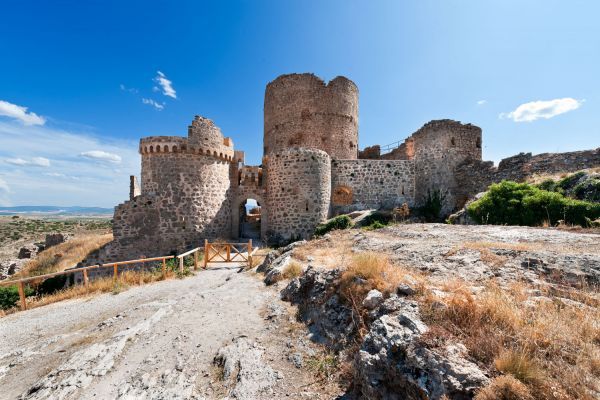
292	270
551	347
64	255
327	253
504	388
101	285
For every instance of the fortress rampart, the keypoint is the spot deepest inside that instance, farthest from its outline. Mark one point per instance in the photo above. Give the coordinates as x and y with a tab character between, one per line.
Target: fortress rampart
196	187
371	184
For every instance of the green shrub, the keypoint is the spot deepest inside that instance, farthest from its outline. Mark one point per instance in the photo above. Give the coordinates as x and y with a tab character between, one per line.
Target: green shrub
377	217
514	203
375	225
339	222
9	296
432	206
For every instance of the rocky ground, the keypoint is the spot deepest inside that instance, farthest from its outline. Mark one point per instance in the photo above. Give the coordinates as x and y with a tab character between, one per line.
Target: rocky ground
218	334
509	273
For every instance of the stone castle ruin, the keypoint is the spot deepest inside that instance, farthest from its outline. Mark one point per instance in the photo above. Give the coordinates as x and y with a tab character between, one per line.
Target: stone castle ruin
196	187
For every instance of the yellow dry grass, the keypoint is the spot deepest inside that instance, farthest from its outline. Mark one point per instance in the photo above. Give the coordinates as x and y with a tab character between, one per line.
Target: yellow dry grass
64	255
101	285
551	347
326	253
292	270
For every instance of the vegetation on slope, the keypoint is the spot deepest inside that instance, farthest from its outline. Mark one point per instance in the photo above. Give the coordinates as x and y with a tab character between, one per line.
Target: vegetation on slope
512	203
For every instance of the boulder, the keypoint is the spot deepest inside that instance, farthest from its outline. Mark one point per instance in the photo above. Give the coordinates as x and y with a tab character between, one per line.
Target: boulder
29	251
52	239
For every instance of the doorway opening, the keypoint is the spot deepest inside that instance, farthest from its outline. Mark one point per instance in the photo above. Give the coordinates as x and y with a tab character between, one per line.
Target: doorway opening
250	219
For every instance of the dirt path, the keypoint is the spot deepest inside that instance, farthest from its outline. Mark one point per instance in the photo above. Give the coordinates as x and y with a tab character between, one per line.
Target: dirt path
160	341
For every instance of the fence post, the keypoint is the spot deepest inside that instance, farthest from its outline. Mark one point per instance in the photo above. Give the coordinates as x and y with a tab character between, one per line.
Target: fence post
22	296
115	272
250	253
181	264
164	268
86	281
228	247
205	253
195	260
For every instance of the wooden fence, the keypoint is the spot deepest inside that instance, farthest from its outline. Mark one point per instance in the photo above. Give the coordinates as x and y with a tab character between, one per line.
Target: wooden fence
213	252
115	265
228	252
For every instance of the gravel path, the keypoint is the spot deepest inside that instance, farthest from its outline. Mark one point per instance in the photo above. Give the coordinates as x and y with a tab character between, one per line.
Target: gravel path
158	341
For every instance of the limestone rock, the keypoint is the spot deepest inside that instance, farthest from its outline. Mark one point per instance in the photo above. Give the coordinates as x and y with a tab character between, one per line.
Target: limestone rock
393	364
245	375
329	319
373	299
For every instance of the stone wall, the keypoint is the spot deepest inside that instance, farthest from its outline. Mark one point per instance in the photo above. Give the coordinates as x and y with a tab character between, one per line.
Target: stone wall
298	192
301	110
475	176
371	184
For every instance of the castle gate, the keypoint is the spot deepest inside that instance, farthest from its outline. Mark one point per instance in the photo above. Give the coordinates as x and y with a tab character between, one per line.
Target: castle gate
245	222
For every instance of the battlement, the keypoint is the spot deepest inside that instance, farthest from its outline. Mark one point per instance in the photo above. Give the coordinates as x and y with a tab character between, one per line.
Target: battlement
204	138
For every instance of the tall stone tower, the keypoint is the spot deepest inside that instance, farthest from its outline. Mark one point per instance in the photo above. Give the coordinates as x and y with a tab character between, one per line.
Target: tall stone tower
301	110
298	192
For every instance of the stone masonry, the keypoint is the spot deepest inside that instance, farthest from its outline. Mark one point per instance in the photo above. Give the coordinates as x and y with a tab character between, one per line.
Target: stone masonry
194	188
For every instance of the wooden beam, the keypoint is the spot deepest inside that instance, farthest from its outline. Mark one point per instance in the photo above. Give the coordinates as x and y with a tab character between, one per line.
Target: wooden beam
164	268
22	296
206	249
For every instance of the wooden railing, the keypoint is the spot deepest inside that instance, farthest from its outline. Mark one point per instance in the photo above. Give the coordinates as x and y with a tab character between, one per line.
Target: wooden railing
21	282
193	252
228	252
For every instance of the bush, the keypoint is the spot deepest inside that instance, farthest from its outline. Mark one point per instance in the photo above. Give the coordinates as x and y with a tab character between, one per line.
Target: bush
9	296
512	203
377	217
375	225
339	222
432	205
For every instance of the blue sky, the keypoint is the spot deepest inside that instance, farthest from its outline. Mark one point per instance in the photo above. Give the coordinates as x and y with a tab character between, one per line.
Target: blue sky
88	74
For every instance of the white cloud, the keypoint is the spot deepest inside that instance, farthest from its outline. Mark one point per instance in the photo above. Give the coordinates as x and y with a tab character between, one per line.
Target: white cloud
165	84
20	113
481	102
4	193
35	161
40	161
546	109
16	161
102	156
126	89
71	179
154	104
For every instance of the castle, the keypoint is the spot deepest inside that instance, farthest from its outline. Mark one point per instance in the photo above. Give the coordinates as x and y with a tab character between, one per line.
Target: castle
197	187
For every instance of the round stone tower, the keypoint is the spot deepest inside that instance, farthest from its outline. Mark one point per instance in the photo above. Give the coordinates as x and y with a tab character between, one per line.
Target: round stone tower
302	110
188	178
298	192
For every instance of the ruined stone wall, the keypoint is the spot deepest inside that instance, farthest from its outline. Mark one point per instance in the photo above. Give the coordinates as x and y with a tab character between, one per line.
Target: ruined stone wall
298	192
437	149
476	176
301	110
371	184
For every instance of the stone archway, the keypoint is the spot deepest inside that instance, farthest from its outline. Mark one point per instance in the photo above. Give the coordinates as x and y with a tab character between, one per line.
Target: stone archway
236	216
